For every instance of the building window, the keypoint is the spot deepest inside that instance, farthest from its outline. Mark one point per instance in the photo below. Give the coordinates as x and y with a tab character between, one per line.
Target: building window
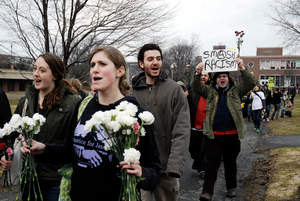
262	77
250	64
276	51
22	85
268	51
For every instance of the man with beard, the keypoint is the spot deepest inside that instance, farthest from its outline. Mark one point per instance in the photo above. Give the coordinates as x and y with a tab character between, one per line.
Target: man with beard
197	106
165	99
224	125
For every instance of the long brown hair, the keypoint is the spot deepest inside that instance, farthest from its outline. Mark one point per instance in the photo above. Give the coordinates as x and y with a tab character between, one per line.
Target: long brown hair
118	59
57	67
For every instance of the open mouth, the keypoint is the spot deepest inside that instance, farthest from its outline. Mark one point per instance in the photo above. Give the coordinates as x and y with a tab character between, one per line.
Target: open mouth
155	69
38	81
97	79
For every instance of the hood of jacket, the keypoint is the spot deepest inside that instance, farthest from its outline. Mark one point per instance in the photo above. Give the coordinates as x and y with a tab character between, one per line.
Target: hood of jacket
140	79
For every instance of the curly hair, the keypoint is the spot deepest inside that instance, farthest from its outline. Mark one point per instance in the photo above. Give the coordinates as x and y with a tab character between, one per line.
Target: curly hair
54	98
118	59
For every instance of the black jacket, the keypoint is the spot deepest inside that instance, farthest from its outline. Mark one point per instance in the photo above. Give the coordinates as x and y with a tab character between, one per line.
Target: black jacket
193	99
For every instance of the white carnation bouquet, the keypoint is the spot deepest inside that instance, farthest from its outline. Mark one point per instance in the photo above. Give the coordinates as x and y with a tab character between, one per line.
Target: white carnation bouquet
8	135
122	131
27	127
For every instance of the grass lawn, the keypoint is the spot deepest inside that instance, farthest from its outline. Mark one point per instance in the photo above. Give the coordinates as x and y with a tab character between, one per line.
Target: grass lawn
284	182
287	125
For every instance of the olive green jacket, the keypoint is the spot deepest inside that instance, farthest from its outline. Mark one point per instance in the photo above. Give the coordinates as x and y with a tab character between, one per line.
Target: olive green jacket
234	96
54	130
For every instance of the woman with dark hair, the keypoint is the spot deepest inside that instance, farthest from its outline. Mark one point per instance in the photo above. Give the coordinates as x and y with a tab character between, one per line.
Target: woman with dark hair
95	170
52	97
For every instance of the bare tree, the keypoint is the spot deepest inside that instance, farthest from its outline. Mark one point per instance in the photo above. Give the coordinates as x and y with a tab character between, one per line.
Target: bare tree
182	55
286	19
71	28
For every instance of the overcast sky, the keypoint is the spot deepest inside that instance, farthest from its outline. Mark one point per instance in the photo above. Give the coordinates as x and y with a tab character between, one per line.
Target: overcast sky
215	21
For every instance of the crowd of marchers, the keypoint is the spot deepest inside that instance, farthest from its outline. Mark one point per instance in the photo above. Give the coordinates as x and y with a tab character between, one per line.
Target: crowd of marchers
206	119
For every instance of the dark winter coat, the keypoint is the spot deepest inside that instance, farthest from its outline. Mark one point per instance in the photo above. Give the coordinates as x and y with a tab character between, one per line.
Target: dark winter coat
55	128
166	100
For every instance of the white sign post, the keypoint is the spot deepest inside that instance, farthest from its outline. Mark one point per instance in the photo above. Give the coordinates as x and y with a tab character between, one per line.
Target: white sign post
219	61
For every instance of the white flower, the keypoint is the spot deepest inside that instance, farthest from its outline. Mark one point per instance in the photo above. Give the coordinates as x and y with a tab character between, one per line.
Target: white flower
127	107
2	133
29	121
126	120
113	126
40	118
106	116
146	117
131	109
122	106
7	129
131	155
98	117
16	122
89	125
37	129
143	132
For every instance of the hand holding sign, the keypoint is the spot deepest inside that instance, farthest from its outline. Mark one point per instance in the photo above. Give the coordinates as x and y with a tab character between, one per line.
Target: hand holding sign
240	63
199	68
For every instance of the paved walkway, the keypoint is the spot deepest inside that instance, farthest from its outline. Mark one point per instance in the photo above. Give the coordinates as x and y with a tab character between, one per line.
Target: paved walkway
191	184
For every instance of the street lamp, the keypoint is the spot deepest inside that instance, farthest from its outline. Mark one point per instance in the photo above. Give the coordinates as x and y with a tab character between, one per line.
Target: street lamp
172	68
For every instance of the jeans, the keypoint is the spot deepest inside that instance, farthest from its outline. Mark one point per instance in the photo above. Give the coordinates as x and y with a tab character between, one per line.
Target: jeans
196	150
50	191
276	111
267	113
282	112
228	146
256	118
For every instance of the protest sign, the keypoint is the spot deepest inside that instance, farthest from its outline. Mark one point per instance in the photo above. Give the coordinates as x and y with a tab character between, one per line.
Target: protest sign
271	82
219	61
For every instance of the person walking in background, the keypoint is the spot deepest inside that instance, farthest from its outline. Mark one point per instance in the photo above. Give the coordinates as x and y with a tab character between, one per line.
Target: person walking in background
288	109
267	94
166	100
277	100
52	97
224	125
258	104
78	86
292	94
197	106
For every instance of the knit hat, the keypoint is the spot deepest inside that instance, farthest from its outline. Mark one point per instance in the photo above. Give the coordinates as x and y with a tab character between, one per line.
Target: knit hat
219	73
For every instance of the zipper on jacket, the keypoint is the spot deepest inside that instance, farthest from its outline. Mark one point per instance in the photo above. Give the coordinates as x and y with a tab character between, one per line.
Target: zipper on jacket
150	88
215	107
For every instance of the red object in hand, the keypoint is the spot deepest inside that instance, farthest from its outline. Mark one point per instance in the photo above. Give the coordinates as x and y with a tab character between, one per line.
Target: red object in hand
2	145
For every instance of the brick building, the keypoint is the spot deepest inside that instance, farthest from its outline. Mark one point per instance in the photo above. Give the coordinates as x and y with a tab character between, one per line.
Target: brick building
270	62
15	73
